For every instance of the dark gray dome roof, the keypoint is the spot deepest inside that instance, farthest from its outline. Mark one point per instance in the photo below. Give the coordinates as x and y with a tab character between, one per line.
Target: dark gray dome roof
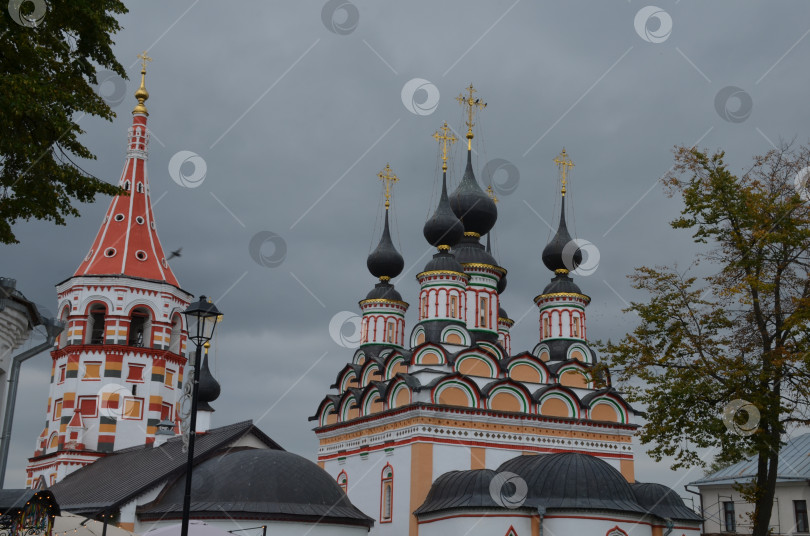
502	284
663	502
475	209
444	261
385	260
384	291
267	484
562	283
558	348
555	254
573	480
502	313
443	228
209	388
567	480
470	250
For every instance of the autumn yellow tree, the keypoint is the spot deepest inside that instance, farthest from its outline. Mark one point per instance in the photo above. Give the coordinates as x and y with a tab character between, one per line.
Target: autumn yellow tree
722	358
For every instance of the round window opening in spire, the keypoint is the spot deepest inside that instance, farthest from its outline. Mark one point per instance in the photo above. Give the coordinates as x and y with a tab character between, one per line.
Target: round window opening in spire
140	255
140	220
119	217
164	262
109	252
152	224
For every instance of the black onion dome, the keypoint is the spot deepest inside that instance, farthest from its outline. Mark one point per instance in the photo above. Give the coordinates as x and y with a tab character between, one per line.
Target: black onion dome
209	388
469	250
384	291
475	209
385	260
561	283
443	228
555	255
444	261
502	313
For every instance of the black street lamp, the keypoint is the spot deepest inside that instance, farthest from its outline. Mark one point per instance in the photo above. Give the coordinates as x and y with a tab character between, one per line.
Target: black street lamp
201	319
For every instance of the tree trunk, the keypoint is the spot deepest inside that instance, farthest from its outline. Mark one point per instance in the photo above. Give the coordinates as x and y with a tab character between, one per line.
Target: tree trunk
767	470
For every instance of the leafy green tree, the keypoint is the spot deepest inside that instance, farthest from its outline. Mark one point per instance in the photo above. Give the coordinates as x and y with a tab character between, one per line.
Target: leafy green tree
722	359
49	56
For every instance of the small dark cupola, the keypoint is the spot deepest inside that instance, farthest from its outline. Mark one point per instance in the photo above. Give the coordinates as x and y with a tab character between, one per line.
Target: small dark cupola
561	255
209	391
443	229
384	303
469	202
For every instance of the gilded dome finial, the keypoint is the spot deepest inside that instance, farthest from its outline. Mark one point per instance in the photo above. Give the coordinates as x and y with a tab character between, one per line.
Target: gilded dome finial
141	94
388	178
445	137
564	164
470	104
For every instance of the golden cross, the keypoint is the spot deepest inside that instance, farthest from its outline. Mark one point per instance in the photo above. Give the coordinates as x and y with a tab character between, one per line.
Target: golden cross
444	138
491	194
388	178
563	163
144	58
470	104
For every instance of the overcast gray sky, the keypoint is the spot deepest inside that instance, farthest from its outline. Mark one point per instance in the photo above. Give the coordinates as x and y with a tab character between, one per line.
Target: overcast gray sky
294	107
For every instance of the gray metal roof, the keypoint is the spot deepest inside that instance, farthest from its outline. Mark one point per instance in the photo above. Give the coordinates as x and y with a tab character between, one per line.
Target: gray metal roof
117	478
259	484
794	465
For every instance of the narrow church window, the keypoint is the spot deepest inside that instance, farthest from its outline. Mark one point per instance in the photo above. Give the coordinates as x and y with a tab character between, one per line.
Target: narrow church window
96	328
453	307
390	333
576	326
387	494
483	312
546	327
425	307
800	508
139	323
174	338
169	378
63	337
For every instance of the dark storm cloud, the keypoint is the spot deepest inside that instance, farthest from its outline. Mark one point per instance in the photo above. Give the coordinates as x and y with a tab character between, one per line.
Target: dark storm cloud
293	118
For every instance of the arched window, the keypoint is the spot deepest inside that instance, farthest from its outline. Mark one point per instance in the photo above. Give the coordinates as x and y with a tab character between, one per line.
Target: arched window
96	323
139	188
389	333
343	481
63	337
546	326
453	306
53	442
483	312
425	306
387	494
177	331
140	323
576	326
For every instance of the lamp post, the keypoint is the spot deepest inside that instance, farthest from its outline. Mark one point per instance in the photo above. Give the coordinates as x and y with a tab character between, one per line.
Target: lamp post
201	319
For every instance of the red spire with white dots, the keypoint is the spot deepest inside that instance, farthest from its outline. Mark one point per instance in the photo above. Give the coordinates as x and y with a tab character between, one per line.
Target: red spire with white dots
127	243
